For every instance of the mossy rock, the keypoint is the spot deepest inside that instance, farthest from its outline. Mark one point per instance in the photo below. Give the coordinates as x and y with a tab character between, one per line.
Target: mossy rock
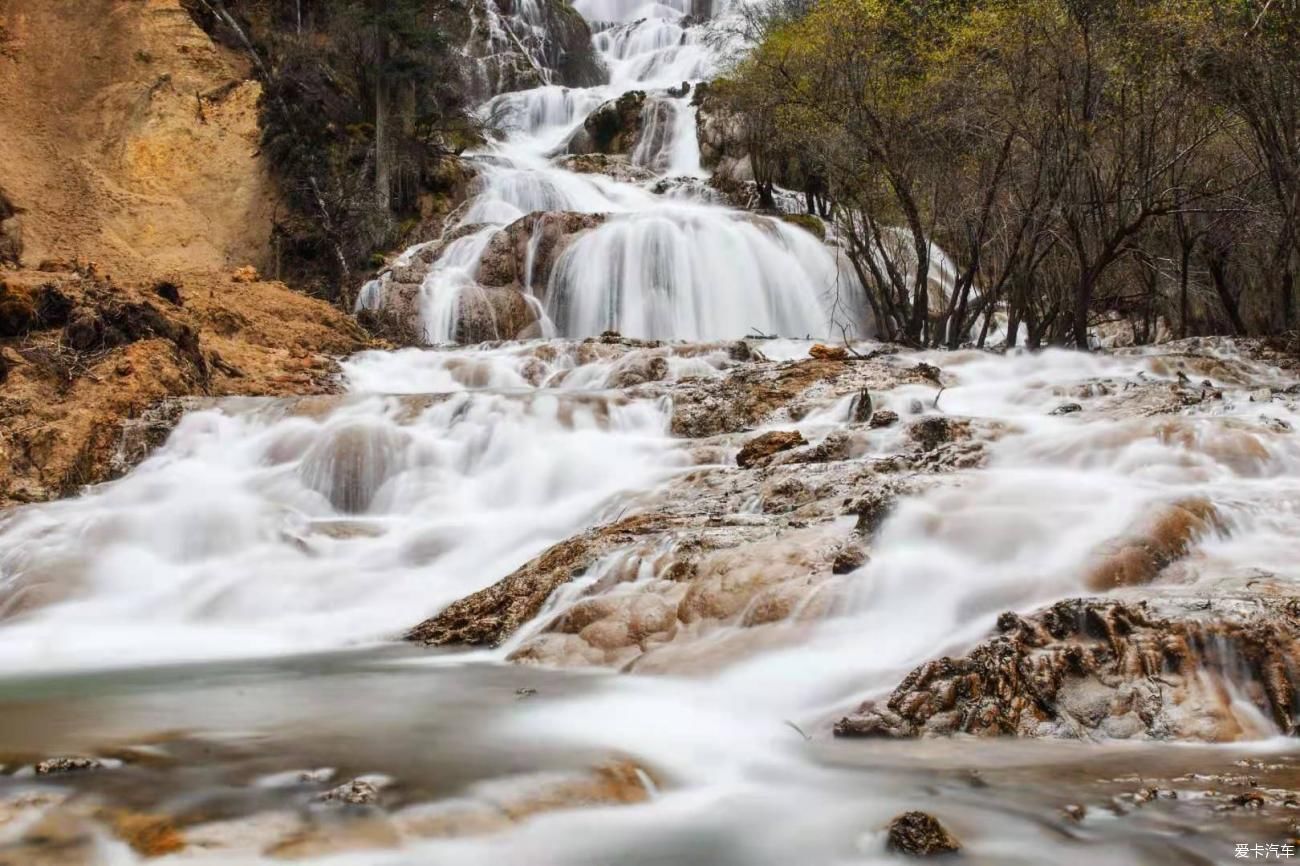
809	223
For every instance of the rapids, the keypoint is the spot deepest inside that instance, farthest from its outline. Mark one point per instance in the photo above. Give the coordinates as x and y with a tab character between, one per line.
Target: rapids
227	615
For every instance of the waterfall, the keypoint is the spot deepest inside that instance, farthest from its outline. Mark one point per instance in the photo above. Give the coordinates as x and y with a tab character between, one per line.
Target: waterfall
669	262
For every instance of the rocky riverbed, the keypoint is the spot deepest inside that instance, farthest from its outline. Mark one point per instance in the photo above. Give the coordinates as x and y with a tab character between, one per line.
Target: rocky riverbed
674	591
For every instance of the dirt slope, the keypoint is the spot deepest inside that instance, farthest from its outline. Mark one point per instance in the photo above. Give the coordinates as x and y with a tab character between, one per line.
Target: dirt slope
129	157
129	137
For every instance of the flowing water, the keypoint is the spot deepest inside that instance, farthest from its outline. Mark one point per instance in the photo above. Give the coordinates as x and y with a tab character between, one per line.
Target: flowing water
226	615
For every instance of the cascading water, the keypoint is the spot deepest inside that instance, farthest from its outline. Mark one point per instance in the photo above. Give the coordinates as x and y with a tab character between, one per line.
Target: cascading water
661	266
268	529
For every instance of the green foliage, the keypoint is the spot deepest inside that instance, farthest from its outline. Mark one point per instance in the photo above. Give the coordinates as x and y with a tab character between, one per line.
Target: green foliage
362	103
1071	157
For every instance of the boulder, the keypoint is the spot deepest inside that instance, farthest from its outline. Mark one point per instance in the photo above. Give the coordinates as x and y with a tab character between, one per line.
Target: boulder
613	127
823	352
537	239
883	418
760	448
58	766
616	166
919	834
495	313
1167	667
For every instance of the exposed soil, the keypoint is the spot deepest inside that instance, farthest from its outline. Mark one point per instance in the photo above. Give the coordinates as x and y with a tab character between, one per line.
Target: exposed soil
134	194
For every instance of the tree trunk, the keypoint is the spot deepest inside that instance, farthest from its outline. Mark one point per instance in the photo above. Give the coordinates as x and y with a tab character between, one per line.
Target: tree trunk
383	169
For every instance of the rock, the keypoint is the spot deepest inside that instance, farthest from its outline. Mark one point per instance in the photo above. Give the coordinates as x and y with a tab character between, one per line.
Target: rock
931	432
809	223
1097	667
616	166
1165	535
919	834
1261	395
5	366
354	793
148	835
680	92
1075	812
488	616
883	418
928	372
57	766
523	254
495	314
872	509
613	127
823	352
246	274
1066	409
762	447
850	558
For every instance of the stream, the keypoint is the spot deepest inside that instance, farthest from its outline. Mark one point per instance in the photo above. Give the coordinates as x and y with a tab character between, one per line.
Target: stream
221	627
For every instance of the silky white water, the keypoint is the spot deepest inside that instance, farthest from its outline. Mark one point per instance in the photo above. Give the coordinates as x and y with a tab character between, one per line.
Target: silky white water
268	528
661	266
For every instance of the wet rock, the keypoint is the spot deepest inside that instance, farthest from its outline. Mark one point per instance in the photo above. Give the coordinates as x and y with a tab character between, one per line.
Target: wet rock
931	432
522	255
357	792
1075	812
1166	667
919	834
495	314
872	508
836	446
490	615
852	557
1165	535
760	392
828	353
929	372
148	835
57	766
613	127
616	166
883	418
1066	409
760	448
350	463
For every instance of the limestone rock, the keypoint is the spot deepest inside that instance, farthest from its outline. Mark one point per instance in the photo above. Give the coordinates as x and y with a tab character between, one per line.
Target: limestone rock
823	352
760	448
57	766
357	792
614	127
919	834
1088	667
883	418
